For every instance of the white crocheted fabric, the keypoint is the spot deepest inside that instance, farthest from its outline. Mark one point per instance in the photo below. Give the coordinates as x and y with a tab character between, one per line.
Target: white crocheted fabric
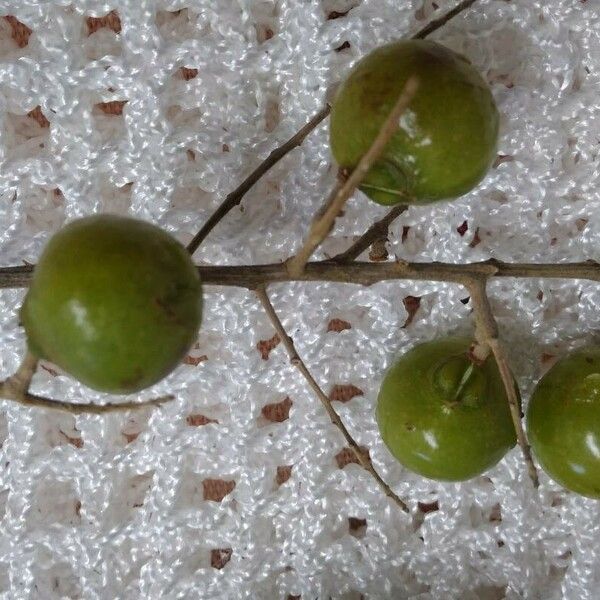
122	506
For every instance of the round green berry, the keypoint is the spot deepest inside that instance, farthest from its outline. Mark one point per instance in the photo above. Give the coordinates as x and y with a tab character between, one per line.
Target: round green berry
447	137
442	415
114	301
563	422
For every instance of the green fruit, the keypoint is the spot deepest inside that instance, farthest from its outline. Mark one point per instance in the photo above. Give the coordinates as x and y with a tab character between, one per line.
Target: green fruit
441	415
114	301
563	422
447	137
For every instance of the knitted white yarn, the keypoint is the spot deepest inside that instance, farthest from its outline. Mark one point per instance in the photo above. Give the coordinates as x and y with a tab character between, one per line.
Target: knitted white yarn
89	508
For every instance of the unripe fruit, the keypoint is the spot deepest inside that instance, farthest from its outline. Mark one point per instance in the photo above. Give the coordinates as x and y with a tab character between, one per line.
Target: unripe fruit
563	422
441	415
114	301
447	138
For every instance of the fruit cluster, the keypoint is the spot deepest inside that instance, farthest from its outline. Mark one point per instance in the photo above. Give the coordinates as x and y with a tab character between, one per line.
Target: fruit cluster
444	415
116	302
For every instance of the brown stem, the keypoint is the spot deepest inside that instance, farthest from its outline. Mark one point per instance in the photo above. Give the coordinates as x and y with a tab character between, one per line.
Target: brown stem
321	227
33	401
363	458
235	197
16	277
379	230
18	384
487	333
362	273
16	389
365	273
441	21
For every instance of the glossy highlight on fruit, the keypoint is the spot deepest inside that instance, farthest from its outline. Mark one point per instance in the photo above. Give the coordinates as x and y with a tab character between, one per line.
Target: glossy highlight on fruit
114	301
441	415
563	422
447	138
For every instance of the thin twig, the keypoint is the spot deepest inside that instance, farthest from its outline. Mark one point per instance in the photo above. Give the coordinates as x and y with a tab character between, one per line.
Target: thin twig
16	277
16	389
487	333
235	197
437	23
321	227
33	401
362	273
379	230
18	384
276	155
295	359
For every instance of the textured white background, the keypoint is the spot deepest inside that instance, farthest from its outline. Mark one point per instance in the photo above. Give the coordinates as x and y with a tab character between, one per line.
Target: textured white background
87	513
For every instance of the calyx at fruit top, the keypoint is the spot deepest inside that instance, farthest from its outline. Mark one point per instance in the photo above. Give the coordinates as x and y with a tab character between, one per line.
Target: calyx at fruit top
461	381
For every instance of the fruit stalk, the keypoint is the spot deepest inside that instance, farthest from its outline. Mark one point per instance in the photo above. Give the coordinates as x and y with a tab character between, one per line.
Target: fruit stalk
342	191
18	384
487	333
33	401
295	360
437	23
16	389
